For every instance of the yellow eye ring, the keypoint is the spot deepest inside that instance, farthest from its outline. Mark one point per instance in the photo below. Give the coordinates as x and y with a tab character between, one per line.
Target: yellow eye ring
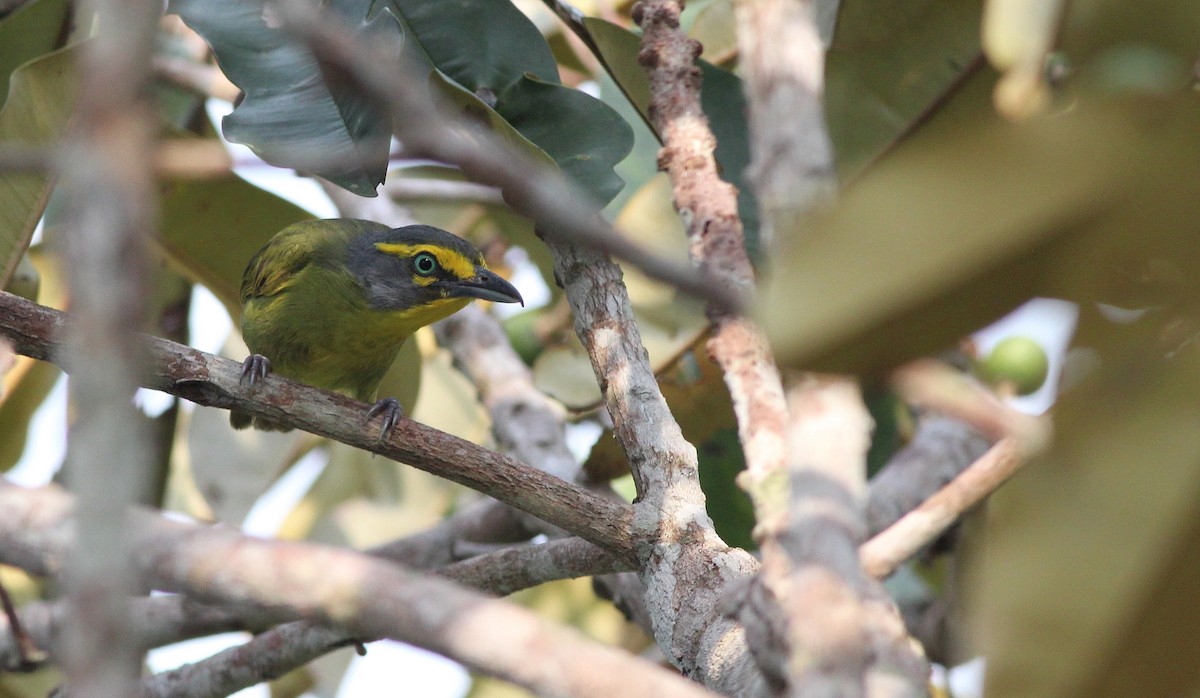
425	264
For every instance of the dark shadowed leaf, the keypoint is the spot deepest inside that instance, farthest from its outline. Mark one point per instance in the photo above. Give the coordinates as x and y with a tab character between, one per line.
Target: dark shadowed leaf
890	63
585	137
480	44
1091	571
30	31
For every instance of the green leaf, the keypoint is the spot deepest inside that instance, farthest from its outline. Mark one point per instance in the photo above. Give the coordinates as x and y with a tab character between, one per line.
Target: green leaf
716	30
889	64
583	135
211	229
732	512
32	30
503	44
41	99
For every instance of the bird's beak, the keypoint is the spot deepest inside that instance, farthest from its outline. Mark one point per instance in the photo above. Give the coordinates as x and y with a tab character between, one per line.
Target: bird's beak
489	286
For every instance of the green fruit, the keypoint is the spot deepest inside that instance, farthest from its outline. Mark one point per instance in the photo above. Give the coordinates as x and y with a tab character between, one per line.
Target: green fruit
1018	362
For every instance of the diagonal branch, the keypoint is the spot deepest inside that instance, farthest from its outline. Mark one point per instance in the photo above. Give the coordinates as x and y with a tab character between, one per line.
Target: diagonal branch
680	551
212	381
885	552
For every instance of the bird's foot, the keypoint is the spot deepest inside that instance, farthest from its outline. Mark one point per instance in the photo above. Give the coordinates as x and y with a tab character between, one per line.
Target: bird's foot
392	413
255	368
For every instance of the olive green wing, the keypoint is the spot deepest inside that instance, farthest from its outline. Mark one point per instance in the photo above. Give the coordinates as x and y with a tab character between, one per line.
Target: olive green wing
273	268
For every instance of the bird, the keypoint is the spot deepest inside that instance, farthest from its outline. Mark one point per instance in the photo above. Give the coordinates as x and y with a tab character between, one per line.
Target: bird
329	303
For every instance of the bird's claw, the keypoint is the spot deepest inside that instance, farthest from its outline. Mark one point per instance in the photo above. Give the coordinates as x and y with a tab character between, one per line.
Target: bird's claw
392	413
255	368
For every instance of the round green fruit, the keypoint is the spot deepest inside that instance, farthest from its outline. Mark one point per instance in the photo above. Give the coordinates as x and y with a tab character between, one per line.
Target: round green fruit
1018	362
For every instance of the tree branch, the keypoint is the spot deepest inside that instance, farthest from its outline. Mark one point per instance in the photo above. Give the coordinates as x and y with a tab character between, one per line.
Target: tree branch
940	449
685	566
526	426
782	62
366	596
157	621
822	626
274	653
708	207
212	381
108	190
886	551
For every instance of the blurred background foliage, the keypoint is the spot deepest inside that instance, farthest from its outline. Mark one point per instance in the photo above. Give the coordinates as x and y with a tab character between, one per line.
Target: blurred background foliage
1056	157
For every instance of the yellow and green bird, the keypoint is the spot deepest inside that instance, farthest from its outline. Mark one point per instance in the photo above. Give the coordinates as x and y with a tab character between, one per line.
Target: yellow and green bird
329	302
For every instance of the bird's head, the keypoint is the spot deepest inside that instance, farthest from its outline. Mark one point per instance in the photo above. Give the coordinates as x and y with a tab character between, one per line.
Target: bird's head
423	273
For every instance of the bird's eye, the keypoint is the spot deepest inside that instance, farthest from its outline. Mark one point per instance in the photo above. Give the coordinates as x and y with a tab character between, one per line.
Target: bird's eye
425	264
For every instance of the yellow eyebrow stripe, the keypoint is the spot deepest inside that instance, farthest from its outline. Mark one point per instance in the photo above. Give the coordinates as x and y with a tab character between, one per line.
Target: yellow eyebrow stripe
450	260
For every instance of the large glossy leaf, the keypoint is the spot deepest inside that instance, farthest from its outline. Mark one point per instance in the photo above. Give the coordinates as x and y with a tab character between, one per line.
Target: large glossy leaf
889	65
293	106
943	238
293	115
585	137
503	43
41	99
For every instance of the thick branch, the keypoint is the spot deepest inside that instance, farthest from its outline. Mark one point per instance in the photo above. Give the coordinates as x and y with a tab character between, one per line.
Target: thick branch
825	628
157	621
274	653
685	566
940	449
108	190
213	381
366	596
520	567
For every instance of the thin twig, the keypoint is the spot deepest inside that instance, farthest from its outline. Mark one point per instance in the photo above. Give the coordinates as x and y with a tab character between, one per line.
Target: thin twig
940	449
28	653
886	551
407	188
203	78
938	386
